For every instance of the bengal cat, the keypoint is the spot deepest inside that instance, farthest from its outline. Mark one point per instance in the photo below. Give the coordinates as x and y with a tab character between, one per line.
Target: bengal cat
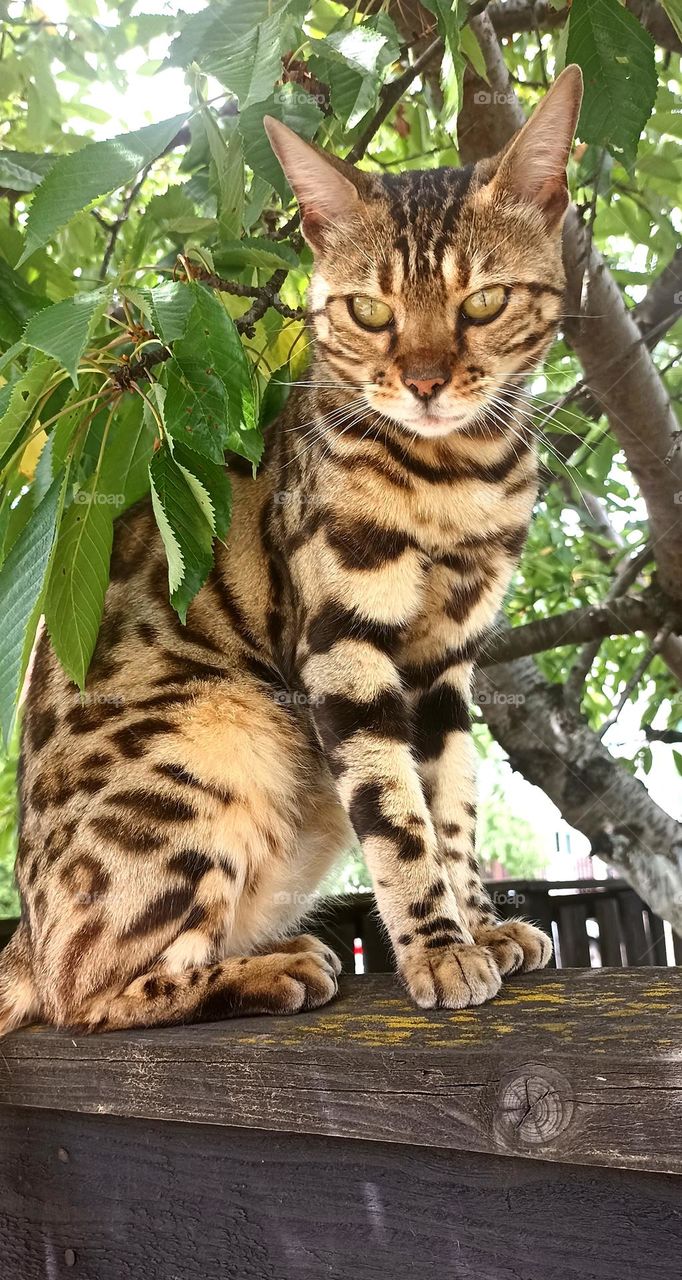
176	821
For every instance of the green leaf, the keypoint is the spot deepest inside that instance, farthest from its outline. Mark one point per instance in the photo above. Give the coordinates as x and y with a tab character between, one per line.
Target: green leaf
128	450
79	577
22	583
228	165
23	170
677	757
18	302
210	485
196	419
187	537
170	305
63	329
294	108
448	20
26	393
617	59
233	255
211	36
214	362
250	65
77	180
469	44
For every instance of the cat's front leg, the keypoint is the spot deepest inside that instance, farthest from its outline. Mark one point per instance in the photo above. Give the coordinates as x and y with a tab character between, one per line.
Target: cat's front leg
447	756
363	720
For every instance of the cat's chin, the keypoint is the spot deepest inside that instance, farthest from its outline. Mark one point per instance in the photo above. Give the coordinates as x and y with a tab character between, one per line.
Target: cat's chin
430	426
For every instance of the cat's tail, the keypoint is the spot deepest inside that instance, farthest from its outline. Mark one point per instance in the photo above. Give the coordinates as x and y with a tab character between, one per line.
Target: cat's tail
19	1002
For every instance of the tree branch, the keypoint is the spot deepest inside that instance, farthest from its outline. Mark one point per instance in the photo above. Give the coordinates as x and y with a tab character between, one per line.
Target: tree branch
621	617
511	17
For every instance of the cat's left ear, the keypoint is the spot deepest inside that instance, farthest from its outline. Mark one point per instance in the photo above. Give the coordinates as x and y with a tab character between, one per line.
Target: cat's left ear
534	167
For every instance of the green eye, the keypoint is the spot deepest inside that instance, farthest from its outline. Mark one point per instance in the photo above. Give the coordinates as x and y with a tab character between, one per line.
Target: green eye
485	304
370	312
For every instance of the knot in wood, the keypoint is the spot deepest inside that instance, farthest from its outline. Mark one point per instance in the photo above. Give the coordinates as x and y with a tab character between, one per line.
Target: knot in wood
534	1106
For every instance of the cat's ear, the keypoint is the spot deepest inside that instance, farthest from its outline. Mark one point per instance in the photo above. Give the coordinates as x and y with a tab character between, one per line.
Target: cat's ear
326	188
534	166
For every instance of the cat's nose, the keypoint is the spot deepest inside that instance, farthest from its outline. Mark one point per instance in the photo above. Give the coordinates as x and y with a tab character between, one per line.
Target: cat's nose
424	388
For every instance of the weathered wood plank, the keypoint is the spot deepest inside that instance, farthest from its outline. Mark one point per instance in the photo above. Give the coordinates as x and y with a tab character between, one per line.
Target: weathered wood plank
103	1199
579	1066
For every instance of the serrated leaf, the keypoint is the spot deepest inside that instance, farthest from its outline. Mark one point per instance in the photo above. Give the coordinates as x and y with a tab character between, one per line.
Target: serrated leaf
128	450
25	395
233	255
62	330
170	305
186	535
23	170
210	485
250	65
198	420
211	356
77	180
617	59
74	602
228	166
22	583
213	33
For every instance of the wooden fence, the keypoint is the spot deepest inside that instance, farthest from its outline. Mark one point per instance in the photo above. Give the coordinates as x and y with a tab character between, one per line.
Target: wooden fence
592	922
534	1138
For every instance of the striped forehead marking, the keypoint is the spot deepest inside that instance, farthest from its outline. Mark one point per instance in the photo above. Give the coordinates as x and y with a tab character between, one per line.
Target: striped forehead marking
425	205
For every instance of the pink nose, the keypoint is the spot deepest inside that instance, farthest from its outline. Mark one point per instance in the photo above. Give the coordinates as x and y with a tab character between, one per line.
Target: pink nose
423	388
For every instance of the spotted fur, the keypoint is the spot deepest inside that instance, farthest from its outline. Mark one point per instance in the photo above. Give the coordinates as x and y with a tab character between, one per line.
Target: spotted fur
177	819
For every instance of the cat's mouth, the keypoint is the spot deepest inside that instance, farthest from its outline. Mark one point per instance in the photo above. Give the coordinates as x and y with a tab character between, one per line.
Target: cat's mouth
434	419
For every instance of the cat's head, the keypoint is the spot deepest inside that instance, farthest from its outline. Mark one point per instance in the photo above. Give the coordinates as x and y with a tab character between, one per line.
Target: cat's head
434	289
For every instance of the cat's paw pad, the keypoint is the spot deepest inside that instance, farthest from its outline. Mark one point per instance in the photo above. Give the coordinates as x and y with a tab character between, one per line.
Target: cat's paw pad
518	947
452	978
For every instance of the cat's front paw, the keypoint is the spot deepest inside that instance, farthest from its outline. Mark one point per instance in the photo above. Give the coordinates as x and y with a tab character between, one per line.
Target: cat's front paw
516	946
452	977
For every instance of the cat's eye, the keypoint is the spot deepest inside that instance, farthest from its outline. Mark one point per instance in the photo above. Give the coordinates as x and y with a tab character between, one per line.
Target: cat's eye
485	304
370	312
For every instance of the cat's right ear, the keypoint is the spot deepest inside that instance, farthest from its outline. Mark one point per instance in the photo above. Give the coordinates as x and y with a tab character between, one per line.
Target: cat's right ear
324	186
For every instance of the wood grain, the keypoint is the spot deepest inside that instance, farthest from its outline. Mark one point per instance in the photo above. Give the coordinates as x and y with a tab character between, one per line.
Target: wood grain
575	1066
112	1199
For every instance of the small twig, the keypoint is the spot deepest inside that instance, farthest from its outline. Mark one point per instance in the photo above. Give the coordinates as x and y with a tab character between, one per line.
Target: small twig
120	222
249	291
575	682
642	666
